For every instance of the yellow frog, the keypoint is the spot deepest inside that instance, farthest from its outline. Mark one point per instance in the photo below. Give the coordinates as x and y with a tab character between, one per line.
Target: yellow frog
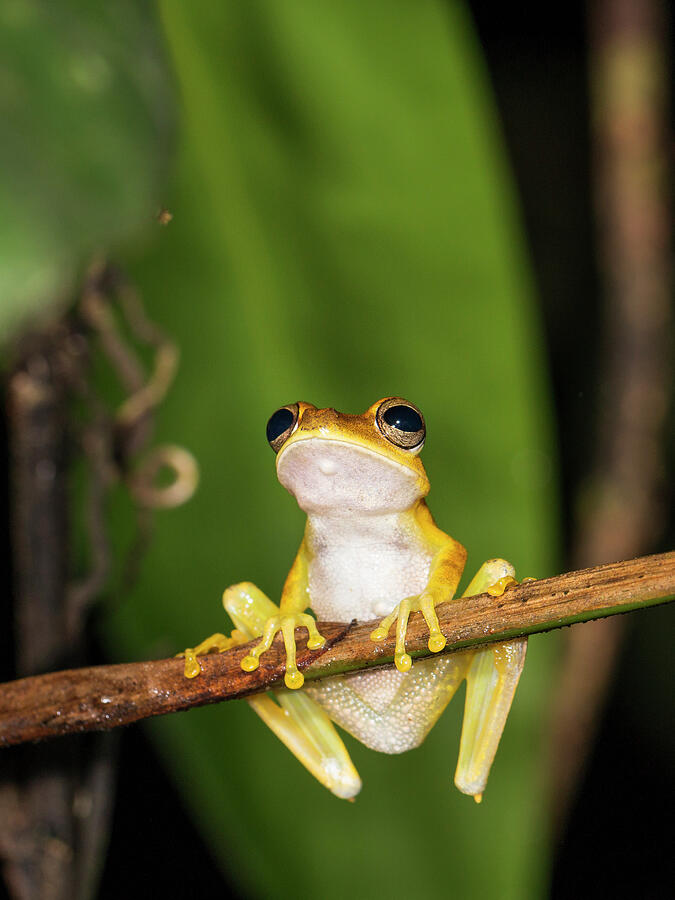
371	549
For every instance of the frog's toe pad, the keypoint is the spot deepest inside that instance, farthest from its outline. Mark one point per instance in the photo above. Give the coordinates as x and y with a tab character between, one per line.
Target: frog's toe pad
379	634
498	588
216	643
436	643
293	679
250	663
505	584
403	662
192	667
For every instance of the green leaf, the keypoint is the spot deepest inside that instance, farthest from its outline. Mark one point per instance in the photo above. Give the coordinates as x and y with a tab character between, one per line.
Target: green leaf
344	229
85	112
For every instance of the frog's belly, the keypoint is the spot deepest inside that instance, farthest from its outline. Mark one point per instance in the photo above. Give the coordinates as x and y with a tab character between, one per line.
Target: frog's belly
365	582
388	710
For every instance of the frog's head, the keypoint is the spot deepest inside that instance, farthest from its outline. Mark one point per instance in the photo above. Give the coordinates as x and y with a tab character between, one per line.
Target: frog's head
332	461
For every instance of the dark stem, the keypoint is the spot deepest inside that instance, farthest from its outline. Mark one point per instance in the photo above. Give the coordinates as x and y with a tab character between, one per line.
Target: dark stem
50	822
623	504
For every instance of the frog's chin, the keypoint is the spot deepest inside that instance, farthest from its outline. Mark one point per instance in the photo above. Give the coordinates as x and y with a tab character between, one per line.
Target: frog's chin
334	476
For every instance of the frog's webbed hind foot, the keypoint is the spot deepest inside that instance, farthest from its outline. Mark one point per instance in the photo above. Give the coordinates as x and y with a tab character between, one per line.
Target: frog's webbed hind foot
215	643
400	614
491	683
297	720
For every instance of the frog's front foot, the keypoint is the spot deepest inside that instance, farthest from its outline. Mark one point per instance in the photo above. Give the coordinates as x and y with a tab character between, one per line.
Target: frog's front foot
425	604
286	623
504	584
216	643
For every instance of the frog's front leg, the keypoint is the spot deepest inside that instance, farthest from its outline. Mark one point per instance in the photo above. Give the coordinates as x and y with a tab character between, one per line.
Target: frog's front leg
445	572
297	720
290	615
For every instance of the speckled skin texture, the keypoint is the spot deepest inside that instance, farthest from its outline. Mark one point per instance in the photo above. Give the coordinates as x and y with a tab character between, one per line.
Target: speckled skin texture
388	710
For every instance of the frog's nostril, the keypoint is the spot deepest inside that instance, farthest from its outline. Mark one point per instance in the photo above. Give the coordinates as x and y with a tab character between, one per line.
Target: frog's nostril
327	466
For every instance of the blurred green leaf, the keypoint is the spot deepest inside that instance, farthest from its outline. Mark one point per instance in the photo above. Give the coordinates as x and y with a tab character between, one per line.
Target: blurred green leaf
344	229
85	112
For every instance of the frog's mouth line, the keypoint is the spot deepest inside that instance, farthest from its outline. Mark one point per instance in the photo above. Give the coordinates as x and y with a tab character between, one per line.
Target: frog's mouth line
408	471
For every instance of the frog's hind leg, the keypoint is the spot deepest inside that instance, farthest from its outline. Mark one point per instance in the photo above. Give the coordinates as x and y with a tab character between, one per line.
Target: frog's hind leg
296	719
311	736
492	679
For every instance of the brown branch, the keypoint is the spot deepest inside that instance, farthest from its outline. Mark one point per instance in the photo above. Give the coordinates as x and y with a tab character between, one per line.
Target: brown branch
105	697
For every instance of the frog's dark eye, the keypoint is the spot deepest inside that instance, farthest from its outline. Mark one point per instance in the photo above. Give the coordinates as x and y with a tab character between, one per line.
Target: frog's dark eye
281	424
401	423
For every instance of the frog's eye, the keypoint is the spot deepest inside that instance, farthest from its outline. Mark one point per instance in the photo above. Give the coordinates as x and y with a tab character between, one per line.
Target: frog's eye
401	423
281	424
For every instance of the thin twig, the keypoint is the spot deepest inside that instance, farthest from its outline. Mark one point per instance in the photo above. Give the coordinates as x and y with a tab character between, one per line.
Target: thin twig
105	697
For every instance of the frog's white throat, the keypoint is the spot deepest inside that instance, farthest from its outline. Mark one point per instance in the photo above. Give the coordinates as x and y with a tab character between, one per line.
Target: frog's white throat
335	477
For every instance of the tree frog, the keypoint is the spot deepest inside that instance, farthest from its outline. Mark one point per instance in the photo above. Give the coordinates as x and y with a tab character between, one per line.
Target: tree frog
371	550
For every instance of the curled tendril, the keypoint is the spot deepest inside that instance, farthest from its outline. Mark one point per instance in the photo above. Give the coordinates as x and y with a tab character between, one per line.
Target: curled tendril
151	394
111	312
142	481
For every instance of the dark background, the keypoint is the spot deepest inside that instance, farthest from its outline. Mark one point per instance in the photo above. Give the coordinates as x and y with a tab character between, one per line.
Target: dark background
619	837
